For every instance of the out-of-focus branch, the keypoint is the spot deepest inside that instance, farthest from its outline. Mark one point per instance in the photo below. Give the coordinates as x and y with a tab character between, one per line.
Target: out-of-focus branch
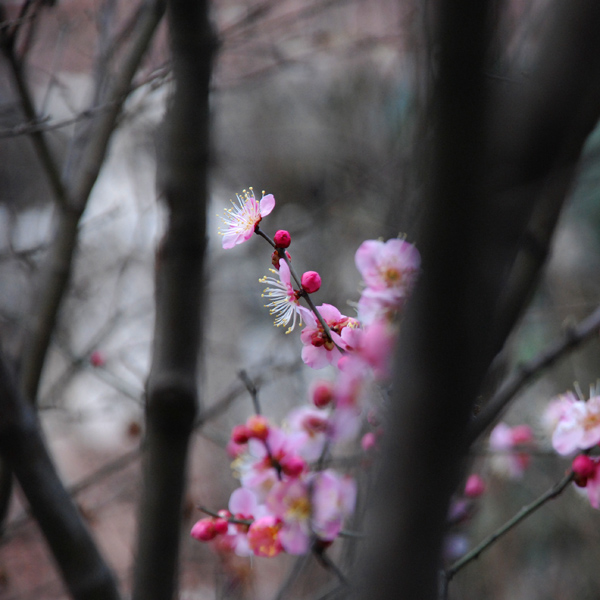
84	571
91	146
172	385
573	338
525	512
540	126
38	138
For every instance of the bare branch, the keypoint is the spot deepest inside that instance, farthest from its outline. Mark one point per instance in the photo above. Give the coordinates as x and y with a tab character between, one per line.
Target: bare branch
525	512
574	337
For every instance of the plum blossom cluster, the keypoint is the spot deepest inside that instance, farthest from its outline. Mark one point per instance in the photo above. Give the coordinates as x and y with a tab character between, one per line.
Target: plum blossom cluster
288	501
575	426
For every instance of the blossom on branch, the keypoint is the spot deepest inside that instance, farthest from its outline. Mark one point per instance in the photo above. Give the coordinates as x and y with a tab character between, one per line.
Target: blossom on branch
285	300
389	270
320	351
578	426
242	219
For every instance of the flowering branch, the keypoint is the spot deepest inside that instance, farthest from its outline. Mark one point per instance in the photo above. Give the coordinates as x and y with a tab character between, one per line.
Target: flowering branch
553	492
304	295
574	336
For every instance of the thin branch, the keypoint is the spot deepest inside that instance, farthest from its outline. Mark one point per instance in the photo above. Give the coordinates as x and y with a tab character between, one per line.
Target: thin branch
40	143
92	146
526	511
252	390
573	338
327	563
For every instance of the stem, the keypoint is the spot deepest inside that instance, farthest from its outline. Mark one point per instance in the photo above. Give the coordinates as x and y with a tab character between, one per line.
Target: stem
553	492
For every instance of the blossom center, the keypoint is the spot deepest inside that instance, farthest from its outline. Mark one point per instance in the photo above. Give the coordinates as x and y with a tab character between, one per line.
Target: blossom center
299	509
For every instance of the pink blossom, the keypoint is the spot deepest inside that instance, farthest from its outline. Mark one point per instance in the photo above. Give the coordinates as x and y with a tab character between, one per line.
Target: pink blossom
310	427
389	270
592	488
264	537
333	499
285	300
319	351
557	408
257	427
388	265
290	502
244	505
578	427
261	467
242	219
505	442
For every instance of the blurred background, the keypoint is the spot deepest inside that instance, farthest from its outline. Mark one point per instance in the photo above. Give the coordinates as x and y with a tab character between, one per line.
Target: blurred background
320	104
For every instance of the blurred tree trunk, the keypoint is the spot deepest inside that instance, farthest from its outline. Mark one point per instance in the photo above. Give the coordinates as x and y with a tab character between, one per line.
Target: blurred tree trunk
501	166
172	385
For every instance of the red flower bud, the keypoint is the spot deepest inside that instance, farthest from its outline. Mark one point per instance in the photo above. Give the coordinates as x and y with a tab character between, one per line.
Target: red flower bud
282	239
221	526
584	468
240	434
204	530
311	281
322	394
292	465
97	359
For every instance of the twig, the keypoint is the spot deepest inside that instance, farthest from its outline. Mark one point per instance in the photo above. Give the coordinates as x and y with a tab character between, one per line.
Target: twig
252	389
327	563
573	338
553	492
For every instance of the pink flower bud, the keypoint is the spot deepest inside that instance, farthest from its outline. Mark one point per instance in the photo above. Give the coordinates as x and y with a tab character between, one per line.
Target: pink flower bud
204	530
97	359
282	238
258	427
322	394
240	434
311	281
292	466
474	487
